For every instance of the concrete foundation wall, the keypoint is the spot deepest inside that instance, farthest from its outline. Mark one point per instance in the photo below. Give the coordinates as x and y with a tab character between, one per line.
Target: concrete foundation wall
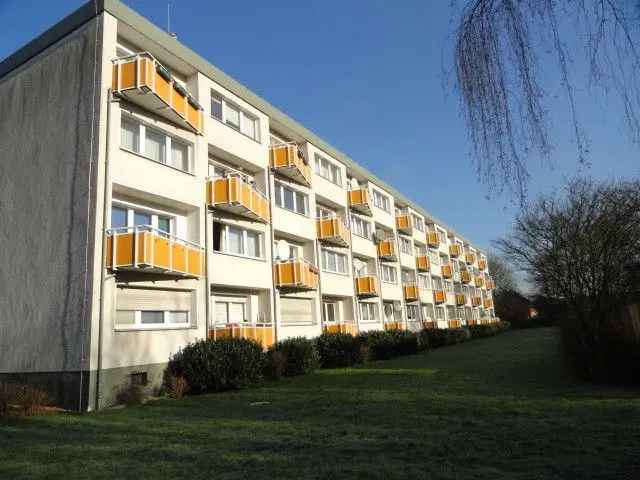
48	110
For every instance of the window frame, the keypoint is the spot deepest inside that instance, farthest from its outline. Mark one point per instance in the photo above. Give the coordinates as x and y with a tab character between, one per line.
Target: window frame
245	232
330	166
244	115
381	201
325	252
384	269
363	221
279	188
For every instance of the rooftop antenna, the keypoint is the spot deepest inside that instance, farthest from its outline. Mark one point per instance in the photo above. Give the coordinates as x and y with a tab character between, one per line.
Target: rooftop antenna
173	34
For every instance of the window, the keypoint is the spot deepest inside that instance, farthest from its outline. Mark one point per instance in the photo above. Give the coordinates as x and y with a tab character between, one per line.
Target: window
439	313
406	246
368	312
230	310
333	261
330	310
237	241
296	311
292	200
118	217
427	311
121	214
437	283
448	286
164	224
153	308
389	274
451	312
323	212
424	281
412	312
360	227
442	236
328	170
154	144
418	222
434	257
381	201
392	311
408	276
235	117
216	106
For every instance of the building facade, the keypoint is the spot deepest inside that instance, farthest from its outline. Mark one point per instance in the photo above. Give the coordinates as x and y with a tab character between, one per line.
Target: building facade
148	201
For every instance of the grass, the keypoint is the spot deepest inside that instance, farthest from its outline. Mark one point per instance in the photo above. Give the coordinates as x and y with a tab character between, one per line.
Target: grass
502	407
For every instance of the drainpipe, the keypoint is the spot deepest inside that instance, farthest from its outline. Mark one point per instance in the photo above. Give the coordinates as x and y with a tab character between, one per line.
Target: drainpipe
354	301
103	270
318	253
271	237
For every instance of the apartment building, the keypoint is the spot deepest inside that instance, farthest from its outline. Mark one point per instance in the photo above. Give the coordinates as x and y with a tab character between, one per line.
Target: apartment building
148	200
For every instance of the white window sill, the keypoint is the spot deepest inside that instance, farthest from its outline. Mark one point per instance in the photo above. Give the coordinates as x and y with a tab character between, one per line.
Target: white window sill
148	328
336	273
303	215
219	120
237	255
156	162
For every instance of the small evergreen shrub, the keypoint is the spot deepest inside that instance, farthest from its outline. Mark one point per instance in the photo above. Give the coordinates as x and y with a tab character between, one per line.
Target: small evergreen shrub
382	345
301	355
338	350
274	364
439	337
218	365
423	339
405	342
177	386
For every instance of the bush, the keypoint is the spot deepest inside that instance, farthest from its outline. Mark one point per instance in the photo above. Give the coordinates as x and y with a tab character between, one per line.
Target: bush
217	365
274	364
439	337
301	355
338	350
22	399
382	345
130	395
423	339
488	330
177	386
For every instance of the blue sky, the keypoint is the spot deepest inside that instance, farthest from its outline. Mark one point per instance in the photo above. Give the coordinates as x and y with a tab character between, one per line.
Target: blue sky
367	76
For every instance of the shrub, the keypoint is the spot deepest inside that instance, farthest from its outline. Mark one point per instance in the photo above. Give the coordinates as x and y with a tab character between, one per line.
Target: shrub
338	350
423	339
274	364
26	400
382	345
439	337
217	365
130	395
488	330
405	343
177	386
301	355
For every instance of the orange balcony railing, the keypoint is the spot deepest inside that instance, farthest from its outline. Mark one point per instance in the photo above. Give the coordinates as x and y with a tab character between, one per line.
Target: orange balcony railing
360	200
288	160
485	321
454	323
479	281
145	249
367	286
482	264
235	195
264	334
470	258
455	250
472	322
345	327
433	240
476	301
465	276
334	231
387	249
411	292
439	296
295	274
422	263
394	326
487	303
447	272
141	79
404	223
461	299
491	284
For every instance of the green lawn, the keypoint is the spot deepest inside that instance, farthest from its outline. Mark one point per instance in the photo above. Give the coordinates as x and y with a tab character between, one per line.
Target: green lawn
501	407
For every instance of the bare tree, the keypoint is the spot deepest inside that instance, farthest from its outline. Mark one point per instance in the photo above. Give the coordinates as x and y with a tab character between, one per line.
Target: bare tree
582	247
502	49
502	273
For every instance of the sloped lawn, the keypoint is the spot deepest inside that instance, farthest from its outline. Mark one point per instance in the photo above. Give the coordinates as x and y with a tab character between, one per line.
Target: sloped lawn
502	407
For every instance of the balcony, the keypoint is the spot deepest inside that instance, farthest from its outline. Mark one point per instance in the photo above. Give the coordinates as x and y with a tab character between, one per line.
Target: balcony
433	240
455	250
422	263
235	195
490	284
446	270
482	264
404	223
487	303
476	301
141	79
470	258
394	325
455	323
479	281
264	334
460	299
429	324
367	286
360	201
349	328
465	276
333	231
472	322
439	296
387	250
411	292
143	249
288	160
298	275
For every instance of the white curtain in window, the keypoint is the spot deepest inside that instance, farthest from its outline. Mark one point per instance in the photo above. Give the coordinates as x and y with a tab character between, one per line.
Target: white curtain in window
236	312
154	146
179	156
234	240
249	126
130	135
253	244
232	115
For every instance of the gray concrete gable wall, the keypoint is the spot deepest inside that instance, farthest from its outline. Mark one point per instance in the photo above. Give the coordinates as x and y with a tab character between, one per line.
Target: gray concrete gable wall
48	107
